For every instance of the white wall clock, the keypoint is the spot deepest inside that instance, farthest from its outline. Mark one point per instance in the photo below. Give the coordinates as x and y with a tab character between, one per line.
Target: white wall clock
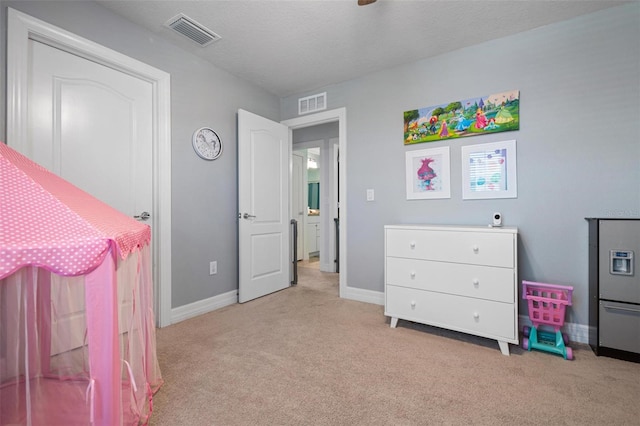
207	143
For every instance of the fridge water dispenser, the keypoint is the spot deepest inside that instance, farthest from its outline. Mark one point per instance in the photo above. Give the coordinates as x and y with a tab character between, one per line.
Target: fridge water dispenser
621	262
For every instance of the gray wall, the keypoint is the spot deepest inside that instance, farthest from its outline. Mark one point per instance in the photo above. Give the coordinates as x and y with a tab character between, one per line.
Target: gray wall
321	131
578	145
204	200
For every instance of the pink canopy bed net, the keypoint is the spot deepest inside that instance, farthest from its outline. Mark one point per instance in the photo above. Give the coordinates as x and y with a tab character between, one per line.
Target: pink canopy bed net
77	336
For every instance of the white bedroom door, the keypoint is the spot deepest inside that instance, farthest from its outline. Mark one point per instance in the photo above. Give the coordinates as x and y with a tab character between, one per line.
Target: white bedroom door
263	202
91	125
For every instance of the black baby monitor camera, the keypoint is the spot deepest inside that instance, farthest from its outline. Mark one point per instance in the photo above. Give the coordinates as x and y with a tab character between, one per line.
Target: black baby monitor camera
497	219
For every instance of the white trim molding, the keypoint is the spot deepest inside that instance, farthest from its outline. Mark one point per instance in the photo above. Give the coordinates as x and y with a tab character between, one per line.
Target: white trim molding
366	296
578	333
20	29
204	306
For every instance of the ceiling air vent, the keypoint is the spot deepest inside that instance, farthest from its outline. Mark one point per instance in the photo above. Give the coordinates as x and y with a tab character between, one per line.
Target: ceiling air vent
192	30
312	103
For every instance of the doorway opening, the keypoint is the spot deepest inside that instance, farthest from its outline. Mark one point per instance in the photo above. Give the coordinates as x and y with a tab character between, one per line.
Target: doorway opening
314	234
316	210
333	175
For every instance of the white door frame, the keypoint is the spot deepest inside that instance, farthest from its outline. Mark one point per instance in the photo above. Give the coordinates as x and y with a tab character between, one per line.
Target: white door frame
22	27
334	149
339	115
302	205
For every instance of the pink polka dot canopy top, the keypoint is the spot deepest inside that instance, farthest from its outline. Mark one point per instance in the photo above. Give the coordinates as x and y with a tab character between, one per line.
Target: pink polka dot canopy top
46	221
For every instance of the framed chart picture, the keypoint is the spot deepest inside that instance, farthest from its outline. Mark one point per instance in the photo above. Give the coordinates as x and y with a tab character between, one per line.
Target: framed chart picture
428	174
489	171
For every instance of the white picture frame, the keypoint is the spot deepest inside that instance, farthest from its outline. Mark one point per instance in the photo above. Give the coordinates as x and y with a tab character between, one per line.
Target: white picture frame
428	174
489	171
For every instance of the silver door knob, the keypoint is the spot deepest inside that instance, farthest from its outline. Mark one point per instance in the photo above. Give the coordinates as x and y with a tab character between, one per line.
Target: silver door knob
142	216
248	216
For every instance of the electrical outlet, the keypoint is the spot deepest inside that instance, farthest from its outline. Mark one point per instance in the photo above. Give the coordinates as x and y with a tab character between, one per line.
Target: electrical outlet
213	267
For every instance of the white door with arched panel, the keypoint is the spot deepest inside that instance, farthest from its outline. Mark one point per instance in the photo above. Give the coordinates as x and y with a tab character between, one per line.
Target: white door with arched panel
91	125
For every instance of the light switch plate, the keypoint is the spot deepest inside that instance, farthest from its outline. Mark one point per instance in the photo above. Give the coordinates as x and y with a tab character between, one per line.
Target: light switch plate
370	195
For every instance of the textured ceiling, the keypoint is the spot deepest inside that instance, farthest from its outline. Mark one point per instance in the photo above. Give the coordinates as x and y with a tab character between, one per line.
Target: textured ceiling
294	46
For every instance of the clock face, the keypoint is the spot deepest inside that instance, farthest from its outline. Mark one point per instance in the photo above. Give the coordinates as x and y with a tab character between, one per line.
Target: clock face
207	143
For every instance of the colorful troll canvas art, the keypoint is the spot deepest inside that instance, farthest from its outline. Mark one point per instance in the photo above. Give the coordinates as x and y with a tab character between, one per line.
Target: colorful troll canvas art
499	112
428	174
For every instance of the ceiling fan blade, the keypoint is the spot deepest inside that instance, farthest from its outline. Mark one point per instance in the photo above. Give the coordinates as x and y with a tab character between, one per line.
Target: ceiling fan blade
365	2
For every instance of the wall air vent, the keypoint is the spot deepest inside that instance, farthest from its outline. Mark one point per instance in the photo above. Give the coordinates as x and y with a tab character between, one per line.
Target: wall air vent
192	30
312	103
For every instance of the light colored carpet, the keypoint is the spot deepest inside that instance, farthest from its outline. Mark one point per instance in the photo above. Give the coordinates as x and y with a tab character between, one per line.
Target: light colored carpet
303	356
312	262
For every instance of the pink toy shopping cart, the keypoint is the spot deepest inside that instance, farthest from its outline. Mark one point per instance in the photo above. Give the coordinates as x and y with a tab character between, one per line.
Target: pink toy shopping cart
547	305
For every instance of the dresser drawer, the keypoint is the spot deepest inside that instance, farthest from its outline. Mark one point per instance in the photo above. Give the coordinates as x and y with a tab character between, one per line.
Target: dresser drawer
478	248
490	283
480	317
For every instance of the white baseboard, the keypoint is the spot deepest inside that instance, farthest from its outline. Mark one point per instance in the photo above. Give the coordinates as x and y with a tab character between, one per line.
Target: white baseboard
362	295
200	307
327	267
576	332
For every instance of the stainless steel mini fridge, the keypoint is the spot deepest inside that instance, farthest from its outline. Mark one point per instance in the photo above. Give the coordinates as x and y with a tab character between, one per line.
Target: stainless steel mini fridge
614	287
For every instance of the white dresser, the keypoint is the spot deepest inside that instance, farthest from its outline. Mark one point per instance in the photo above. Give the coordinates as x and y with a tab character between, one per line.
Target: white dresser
463	278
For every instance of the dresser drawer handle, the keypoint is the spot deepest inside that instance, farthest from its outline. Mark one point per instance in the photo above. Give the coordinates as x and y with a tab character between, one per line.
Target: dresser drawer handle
413	274
413	304
476	282
412	244
475	248
476	315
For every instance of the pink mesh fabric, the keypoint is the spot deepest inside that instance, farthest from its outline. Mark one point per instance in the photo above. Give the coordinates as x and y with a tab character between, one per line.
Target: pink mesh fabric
103	370
45	221
66	255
